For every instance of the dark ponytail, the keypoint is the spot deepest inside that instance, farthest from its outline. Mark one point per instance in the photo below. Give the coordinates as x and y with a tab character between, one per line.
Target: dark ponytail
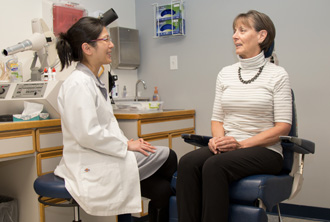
64	51
69	44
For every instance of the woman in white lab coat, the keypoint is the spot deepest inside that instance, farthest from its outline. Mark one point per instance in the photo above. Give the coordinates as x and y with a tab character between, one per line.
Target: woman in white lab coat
102	169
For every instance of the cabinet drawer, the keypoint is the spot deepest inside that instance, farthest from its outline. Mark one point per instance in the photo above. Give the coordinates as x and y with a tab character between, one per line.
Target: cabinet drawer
49	139
159	141
15	143
47	161
165	126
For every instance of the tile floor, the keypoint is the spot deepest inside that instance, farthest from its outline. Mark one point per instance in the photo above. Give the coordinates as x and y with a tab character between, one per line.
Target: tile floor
274	218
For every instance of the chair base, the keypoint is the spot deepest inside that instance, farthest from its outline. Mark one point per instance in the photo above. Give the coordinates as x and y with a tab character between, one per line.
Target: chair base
55	203
242	213
237	213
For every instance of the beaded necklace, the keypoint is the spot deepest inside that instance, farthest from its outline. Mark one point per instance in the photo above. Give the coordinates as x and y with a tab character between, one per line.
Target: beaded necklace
251	80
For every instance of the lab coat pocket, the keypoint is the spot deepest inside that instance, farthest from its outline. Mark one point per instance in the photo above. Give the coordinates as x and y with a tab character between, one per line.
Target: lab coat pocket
101	183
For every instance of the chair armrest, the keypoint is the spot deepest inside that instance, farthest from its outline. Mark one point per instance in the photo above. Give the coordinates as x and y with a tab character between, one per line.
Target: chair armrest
297	144
288	142
196	140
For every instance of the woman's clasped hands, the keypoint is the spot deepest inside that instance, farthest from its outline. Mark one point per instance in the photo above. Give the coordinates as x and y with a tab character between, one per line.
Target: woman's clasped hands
223	144
141	146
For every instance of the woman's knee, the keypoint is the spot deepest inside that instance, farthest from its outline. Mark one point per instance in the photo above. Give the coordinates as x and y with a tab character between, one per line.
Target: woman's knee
215	165
170	166
196	157
191	164
188	161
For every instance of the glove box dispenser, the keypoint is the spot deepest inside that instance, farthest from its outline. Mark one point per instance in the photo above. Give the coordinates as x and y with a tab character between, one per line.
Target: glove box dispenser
126	53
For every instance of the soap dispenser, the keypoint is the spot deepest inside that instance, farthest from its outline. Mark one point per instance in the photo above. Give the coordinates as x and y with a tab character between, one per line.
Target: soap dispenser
155	97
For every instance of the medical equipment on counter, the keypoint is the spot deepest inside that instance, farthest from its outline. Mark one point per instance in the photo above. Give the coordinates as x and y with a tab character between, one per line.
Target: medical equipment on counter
13	95
43	43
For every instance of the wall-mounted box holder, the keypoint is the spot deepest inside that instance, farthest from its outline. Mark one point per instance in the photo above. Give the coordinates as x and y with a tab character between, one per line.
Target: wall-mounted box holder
169	20
126	53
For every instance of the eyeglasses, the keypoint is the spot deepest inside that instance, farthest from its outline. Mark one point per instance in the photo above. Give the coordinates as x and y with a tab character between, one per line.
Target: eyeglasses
106	39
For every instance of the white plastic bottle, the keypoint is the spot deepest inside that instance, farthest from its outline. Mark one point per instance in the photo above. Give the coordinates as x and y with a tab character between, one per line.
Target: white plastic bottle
15	69
53	74
50	74
45	75
124	92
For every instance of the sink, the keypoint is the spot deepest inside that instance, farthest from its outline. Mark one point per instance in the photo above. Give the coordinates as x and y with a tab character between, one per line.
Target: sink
168	110
131	99
138	106
143	99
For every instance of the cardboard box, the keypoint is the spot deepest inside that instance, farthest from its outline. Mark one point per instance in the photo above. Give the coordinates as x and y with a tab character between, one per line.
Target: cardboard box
166	12
20	117
170	27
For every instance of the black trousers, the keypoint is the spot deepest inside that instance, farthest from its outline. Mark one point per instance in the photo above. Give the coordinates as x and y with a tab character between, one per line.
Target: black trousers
157	187
204	179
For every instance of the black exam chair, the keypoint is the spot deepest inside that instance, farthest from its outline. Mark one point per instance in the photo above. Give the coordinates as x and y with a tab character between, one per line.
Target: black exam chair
252	196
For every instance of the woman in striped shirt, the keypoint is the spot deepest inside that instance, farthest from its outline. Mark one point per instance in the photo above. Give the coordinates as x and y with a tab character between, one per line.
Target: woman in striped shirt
252	108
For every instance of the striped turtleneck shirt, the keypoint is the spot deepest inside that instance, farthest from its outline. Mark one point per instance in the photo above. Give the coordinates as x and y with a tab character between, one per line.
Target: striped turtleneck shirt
249	109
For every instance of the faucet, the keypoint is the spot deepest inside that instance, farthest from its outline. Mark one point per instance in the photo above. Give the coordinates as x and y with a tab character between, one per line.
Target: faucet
136	88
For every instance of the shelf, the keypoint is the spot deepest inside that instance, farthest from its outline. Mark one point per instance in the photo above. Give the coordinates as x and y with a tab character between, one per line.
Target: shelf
169	20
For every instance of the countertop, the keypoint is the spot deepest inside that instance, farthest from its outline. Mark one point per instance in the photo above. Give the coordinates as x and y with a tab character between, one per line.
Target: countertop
7	126
148	115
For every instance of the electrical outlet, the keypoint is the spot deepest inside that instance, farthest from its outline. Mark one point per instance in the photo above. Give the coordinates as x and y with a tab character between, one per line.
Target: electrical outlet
173	62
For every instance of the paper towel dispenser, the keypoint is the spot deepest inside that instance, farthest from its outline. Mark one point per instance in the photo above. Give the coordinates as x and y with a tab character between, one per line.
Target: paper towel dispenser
126	53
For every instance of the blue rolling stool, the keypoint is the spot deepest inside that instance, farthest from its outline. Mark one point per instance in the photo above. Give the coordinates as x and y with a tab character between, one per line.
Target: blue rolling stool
50	186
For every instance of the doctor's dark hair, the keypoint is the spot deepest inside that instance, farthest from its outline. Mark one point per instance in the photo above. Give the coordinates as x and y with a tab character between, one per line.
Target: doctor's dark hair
259	21
69	44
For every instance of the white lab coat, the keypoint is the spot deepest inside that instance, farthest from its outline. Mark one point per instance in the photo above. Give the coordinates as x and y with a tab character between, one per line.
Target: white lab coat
99	172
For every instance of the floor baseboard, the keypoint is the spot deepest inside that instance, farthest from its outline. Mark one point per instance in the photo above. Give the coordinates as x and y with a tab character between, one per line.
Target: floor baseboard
301	211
